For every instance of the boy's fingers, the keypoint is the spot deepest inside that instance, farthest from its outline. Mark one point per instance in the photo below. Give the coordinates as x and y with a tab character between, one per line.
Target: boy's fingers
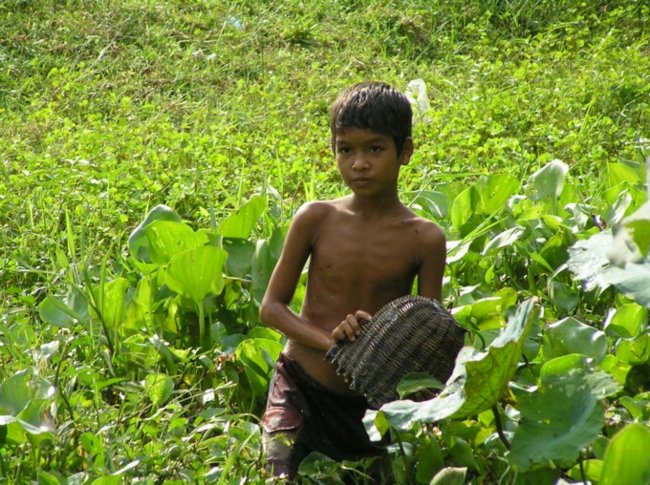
354	325
362	315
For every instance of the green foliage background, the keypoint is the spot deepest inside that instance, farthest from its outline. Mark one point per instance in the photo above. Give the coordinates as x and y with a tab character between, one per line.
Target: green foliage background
108	109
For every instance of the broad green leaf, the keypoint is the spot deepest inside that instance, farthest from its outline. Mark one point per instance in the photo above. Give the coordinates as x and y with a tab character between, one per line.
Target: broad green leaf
547	182
435	204
588	260
15	393
240	256
494	191
139	245
638	226
633	281
626	458
450	476
505	238
620	172
240	224
634	351
463	207
563	365
57	313
159	388
476	384
592	469
166	239
111	302
570	336
548	432
627	321
417	382
257	357
267	253
265	333
638	406
197	272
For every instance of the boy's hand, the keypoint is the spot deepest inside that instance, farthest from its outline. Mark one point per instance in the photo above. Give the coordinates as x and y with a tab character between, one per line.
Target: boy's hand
350	327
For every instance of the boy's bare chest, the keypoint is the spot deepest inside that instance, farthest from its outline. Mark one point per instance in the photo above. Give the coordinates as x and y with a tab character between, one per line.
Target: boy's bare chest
351	254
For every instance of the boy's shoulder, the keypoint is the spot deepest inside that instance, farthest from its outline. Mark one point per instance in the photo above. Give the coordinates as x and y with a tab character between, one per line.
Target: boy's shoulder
318	209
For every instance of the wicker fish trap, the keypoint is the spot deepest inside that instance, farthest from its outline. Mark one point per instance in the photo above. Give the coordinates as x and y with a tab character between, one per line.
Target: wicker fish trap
410	334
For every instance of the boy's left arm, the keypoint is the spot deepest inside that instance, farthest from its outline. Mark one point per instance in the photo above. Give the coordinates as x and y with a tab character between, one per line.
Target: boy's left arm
432	262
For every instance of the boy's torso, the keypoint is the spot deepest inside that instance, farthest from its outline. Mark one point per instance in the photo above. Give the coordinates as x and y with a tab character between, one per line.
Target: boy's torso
356	263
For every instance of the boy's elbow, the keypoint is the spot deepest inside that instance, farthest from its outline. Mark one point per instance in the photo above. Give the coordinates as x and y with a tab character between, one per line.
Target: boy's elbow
265	312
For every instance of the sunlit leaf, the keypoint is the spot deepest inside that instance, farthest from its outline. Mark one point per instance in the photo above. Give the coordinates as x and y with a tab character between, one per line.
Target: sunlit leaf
197	272
166	239
503	239
111	302
547	182
450	476
627	321
258	355
57	313
241	223
139	245
549	432
159	388
570	336
626	458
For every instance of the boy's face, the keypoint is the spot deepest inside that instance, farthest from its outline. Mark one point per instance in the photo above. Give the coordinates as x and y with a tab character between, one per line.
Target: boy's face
368	161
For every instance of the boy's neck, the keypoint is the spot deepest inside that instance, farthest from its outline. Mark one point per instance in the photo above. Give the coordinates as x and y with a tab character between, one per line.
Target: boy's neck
374	207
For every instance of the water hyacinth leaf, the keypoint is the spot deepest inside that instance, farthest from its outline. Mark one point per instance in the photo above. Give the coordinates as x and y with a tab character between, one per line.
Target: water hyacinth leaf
628	321
258	357
165	239
267	253
570	336
592	470
450	476
632	281
626	458
197	272
111	302
562	365
240	256
638	227
15	393
477	382
415	382
240	224
139	245
494	191
435	204
634	351
620	172
588	260
548	432
547	182
505	238
159	388
57	313
463	207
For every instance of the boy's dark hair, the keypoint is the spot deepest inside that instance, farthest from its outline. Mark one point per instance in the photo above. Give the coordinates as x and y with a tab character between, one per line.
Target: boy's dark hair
373	106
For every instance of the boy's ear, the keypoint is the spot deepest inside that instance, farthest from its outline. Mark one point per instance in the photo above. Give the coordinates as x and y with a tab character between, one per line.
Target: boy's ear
407	151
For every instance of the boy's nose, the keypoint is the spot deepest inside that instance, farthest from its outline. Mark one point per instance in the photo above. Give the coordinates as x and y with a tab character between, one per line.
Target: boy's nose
360	163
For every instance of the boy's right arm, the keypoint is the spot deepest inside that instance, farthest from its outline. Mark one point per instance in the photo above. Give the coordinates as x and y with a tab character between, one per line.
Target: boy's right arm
275	310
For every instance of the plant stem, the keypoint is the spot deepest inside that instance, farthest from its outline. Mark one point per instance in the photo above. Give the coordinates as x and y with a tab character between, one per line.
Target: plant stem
497	422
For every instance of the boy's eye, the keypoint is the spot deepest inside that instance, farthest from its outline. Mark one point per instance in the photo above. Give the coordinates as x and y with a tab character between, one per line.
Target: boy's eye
376	149
343	149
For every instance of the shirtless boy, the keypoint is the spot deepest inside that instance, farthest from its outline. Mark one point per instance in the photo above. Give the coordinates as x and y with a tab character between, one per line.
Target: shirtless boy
364	250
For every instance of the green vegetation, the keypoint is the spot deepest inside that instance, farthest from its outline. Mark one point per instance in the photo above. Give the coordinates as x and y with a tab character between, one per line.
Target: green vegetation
151	155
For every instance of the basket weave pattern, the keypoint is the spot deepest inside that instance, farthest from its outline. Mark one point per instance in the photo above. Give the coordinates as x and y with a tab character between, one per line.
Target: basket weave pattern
410	334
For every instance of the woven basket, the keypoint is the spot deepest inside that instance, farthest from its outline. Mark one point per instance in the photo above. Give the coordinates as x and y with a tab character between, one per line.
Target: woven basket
410	334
